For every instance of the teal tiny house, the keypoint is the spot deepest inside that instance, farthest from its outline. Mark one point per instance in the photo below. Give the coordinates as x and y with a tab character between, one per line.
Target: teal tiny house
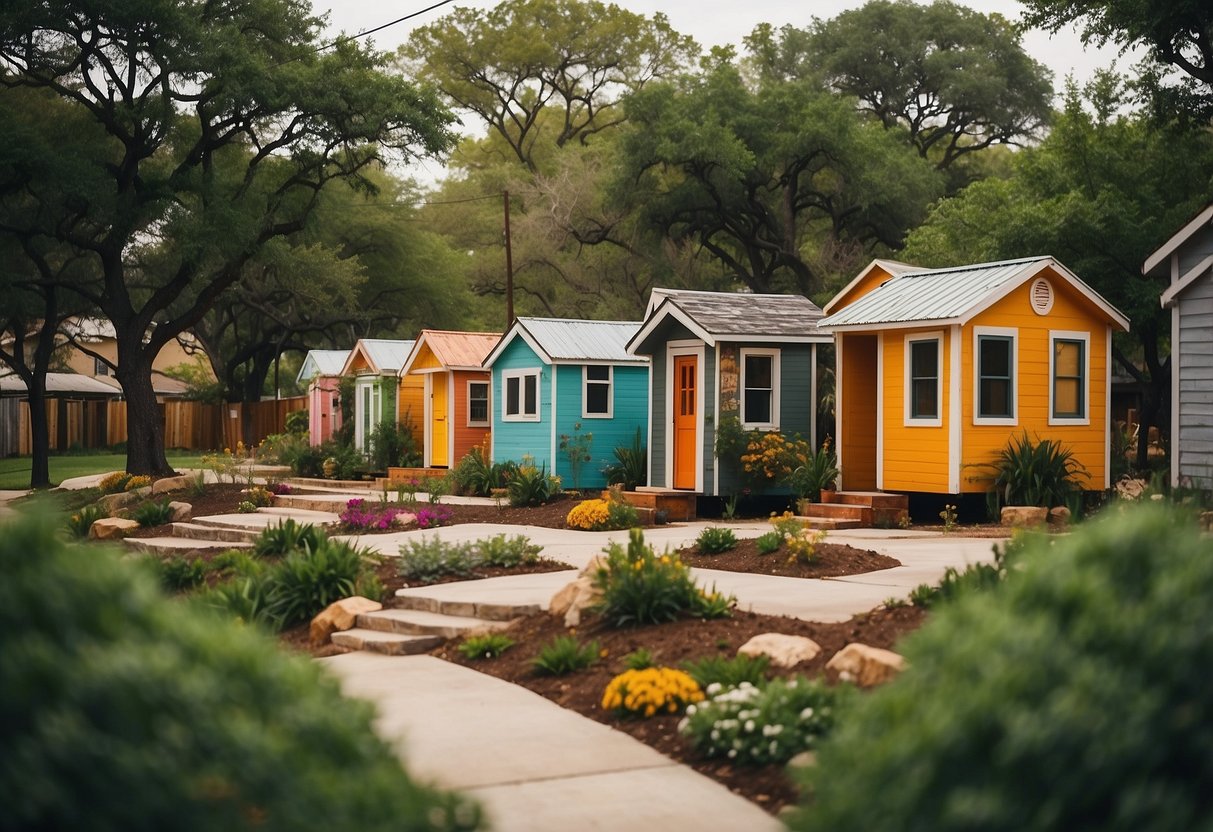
555	378
717	356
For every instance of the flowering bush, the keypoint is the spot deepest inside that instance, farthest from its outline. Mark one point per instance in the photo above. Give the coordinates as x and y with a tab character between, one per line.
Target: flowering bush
802	547
770	457
245	507
113	483
227	464
759	725
259	496
362	516
603	514
135	483
432	517
650	691
279	488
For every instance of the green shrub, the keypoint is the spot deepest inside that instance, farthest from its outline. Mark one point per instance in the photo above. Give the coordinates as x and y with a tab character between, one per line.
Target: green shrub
307	581
1042	473
715	539
283	538
429	559
639	659
532	486
181	574
81	521
506	552
820	471
631	466
474	475
640	587
244	598
564	655
237	562
153	513
393	444
125	710
1075	696
305	460
757	725
769	542
487	646
729	672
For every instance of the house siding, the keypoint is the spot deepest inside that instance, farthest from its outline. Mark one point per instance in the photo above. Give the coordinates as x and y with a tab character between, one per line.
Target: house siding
914	457
1193	361
514	440
629	403
411	406
467	436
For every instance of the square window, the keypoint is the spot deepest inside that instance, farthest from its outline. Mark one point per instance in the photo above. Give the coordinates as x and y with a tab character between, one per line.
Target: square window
521	394
478	403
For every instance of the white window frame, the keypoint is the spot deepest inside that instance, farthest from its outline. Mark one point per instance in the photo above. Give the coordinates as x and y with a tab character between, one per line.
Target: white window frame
774	355
488	403
910	420
586	381
1056	335
996	332
522	415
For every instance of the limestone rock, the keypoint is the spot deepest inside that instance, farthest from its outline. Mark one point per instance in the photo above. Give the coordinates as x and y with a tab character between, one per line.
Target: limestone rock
783	650
1024	515
112	528
339	615
1206	521
1128	488
113	502
166	484
574	597
181	512
1059	516
865	665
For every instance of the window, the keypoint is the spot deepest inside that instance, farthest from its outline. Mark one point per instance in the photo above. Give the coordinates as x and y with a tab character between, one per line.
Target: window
923	388
1068	395
478	403
596	397
995	377
760	389
100	368
521	396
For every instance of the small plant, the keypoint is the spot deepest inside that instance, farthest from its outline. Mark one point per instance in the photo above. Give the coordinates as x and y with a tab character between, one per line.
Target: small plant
819	471
361	516
1042	473
476	476
948	516
758	725
729	672
506	552
307	581
729	511
904	521
770	458
563	655
245	598
711	604
639	659
181	574
923	596
802	548
278	489
432	517
787	525
715	539
197	487
576	448
769	542
630	468
282	539
230	464
153	513
531	485
435	487
487	646
894	603
651	691
79	523
135	483
428	559
246	507
604	514
113	483
260	496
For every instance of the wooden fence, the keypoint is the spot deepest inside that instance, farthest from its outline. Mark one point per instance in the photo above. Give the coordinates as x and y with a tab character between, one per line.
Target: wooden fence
193	426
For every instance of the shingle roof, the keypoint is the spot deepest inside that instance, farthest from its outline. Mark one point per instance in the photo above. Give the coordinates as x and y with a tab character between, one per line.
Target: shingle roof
456	350
322	363
742	314
952	294
565	340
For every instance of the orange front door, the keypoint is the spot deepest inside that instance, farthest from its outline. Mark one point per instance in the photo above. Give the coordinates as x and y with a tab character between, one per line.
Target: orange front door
686	427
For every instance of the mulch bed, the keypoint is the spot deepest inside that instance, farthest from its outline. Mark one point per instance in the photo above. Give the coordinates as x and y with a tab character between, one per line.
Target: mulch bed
672	644
831	560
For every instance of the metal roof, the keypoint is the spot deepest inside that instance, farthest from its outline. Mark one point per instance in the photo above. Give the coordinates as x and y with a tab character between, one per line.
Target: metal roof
566	340
322	363
453	349
385	356
953	294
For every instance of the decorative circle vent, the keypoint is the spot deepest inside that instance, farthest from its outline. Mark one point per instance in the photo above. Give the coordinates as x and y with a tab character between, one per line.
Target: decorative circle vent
1042	296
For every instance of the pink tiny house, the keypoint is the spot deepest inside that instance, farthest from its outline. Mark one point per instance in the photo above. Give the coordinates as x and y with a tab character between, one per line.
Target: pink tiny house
321	371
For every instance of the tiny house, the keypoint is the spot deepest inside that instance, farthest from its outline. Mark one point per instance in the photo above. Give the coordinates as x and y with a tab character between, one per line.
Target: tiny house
717	356
321	372
374	364
554	377
444	392
937	369
1186	261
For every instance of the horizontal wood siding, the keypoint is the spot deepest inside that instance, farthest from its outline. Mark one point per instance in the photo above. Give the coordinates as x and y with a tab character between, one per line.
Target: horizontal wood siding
629	403
410	406
857	414
467	437
1193	358
514	440
915	456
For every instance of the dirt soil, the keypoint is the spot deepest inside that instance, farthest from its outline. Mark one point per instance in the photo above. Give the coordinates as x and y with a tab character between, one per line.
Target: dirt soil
831	560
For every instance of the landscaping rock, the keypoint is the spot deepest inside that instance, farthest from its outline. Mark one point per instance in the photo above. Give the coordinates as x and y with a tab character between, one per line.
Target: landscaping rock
112	528
866	666
113	502
339	615
783	650
1024	515
1128	488
167	484
1059	516
182	512
578	595
1206	521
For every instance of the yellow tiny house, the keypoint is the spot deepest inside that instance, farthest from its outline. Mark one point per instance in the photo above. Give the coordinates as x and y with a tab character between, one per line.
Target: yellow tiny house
938	369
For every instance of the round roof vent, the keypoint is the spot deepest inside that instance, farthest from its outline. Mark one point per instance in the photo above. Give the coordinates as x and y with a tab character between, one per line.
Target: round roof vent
1042	296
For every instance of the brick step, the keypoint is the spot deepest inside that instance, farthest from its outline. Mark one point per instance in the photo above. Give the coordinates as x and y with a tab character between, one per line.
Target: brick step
679	506
211	532
465	609
422	623
871	499
838	511
831	523
390	644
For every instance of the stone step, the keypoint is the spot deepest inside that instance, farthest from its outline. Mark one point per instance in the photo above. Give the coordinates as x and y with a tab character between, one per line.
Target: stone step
871	499
420	622
322	503
390	644
168	546
838	511
831	523
464	609
331	485
266	517
679	506
209	532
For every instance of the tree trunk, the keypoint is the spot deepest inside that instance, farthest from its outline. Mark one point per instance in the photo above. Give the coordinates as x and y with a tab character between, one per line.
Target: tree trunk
144	432
40	453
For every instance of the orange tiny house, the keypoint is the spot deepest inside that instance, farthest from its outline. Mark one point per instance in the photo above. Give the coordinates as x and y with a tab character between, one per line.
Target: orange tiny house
936	370
444	386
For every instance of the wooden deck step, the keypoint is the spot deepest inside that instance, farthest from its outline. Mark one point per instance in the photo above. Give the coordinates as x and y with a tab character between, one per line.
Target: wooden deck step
679	506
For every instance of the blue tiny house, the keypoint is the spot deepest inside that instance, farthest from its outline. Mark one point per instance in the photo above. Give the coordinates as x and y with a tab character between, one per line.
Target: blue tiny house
717	356
551	375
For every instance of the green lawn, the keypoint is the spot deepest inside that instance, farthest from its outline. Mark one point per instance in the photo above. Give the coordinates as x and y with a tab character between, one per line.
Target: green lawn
14	472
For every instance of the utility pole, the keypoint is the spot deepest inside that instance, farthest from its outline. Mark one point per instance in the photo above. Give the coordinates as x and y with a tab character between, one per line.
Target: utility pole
509	268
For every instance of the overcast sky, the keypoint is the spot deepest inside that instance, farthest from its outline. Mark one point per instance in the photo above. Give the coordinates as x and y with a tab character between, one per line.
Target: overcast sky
718	22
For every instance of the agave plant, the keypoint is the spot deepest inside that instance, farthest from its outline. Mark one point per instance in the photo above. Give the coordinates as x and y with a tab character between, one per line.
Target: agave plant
1041	473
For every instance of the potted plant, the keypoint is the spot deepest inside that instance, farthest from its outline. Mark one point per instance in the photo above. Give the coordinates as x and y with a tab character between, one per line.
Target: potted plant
817	477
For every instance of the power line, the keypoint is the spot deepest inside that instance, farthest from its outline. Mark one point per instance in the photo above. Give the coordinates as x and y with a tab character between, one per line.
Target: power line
380	28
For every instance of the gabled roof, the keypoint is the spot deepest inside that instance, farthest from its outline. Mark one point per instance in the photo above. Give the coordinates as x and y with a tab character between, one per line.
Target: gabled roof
730	316
11	383
383	355
453	350
893	267
1185	280
953	295
1159	257
322	363
567	341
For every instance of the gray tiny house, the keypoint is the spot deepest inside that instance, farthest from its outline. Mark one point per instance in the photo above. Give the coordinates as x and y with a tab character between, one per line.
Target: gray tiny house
1186	260
717	355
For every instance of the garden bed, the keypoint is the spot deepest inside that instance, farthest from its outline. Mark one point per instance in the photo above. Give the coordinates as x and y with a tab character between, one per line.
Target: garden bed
831	560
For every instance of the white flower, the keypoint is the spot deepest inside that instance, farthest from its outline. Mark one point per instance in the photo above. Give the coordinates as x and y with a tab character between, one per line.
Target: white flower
714	688
682	725
691	710
715	734
732	753
774	748
749	726
807	713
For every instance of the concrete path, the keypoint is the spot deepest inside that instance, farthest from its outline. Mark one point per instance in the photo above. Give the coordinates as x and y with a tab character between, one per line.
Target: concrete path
534	766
